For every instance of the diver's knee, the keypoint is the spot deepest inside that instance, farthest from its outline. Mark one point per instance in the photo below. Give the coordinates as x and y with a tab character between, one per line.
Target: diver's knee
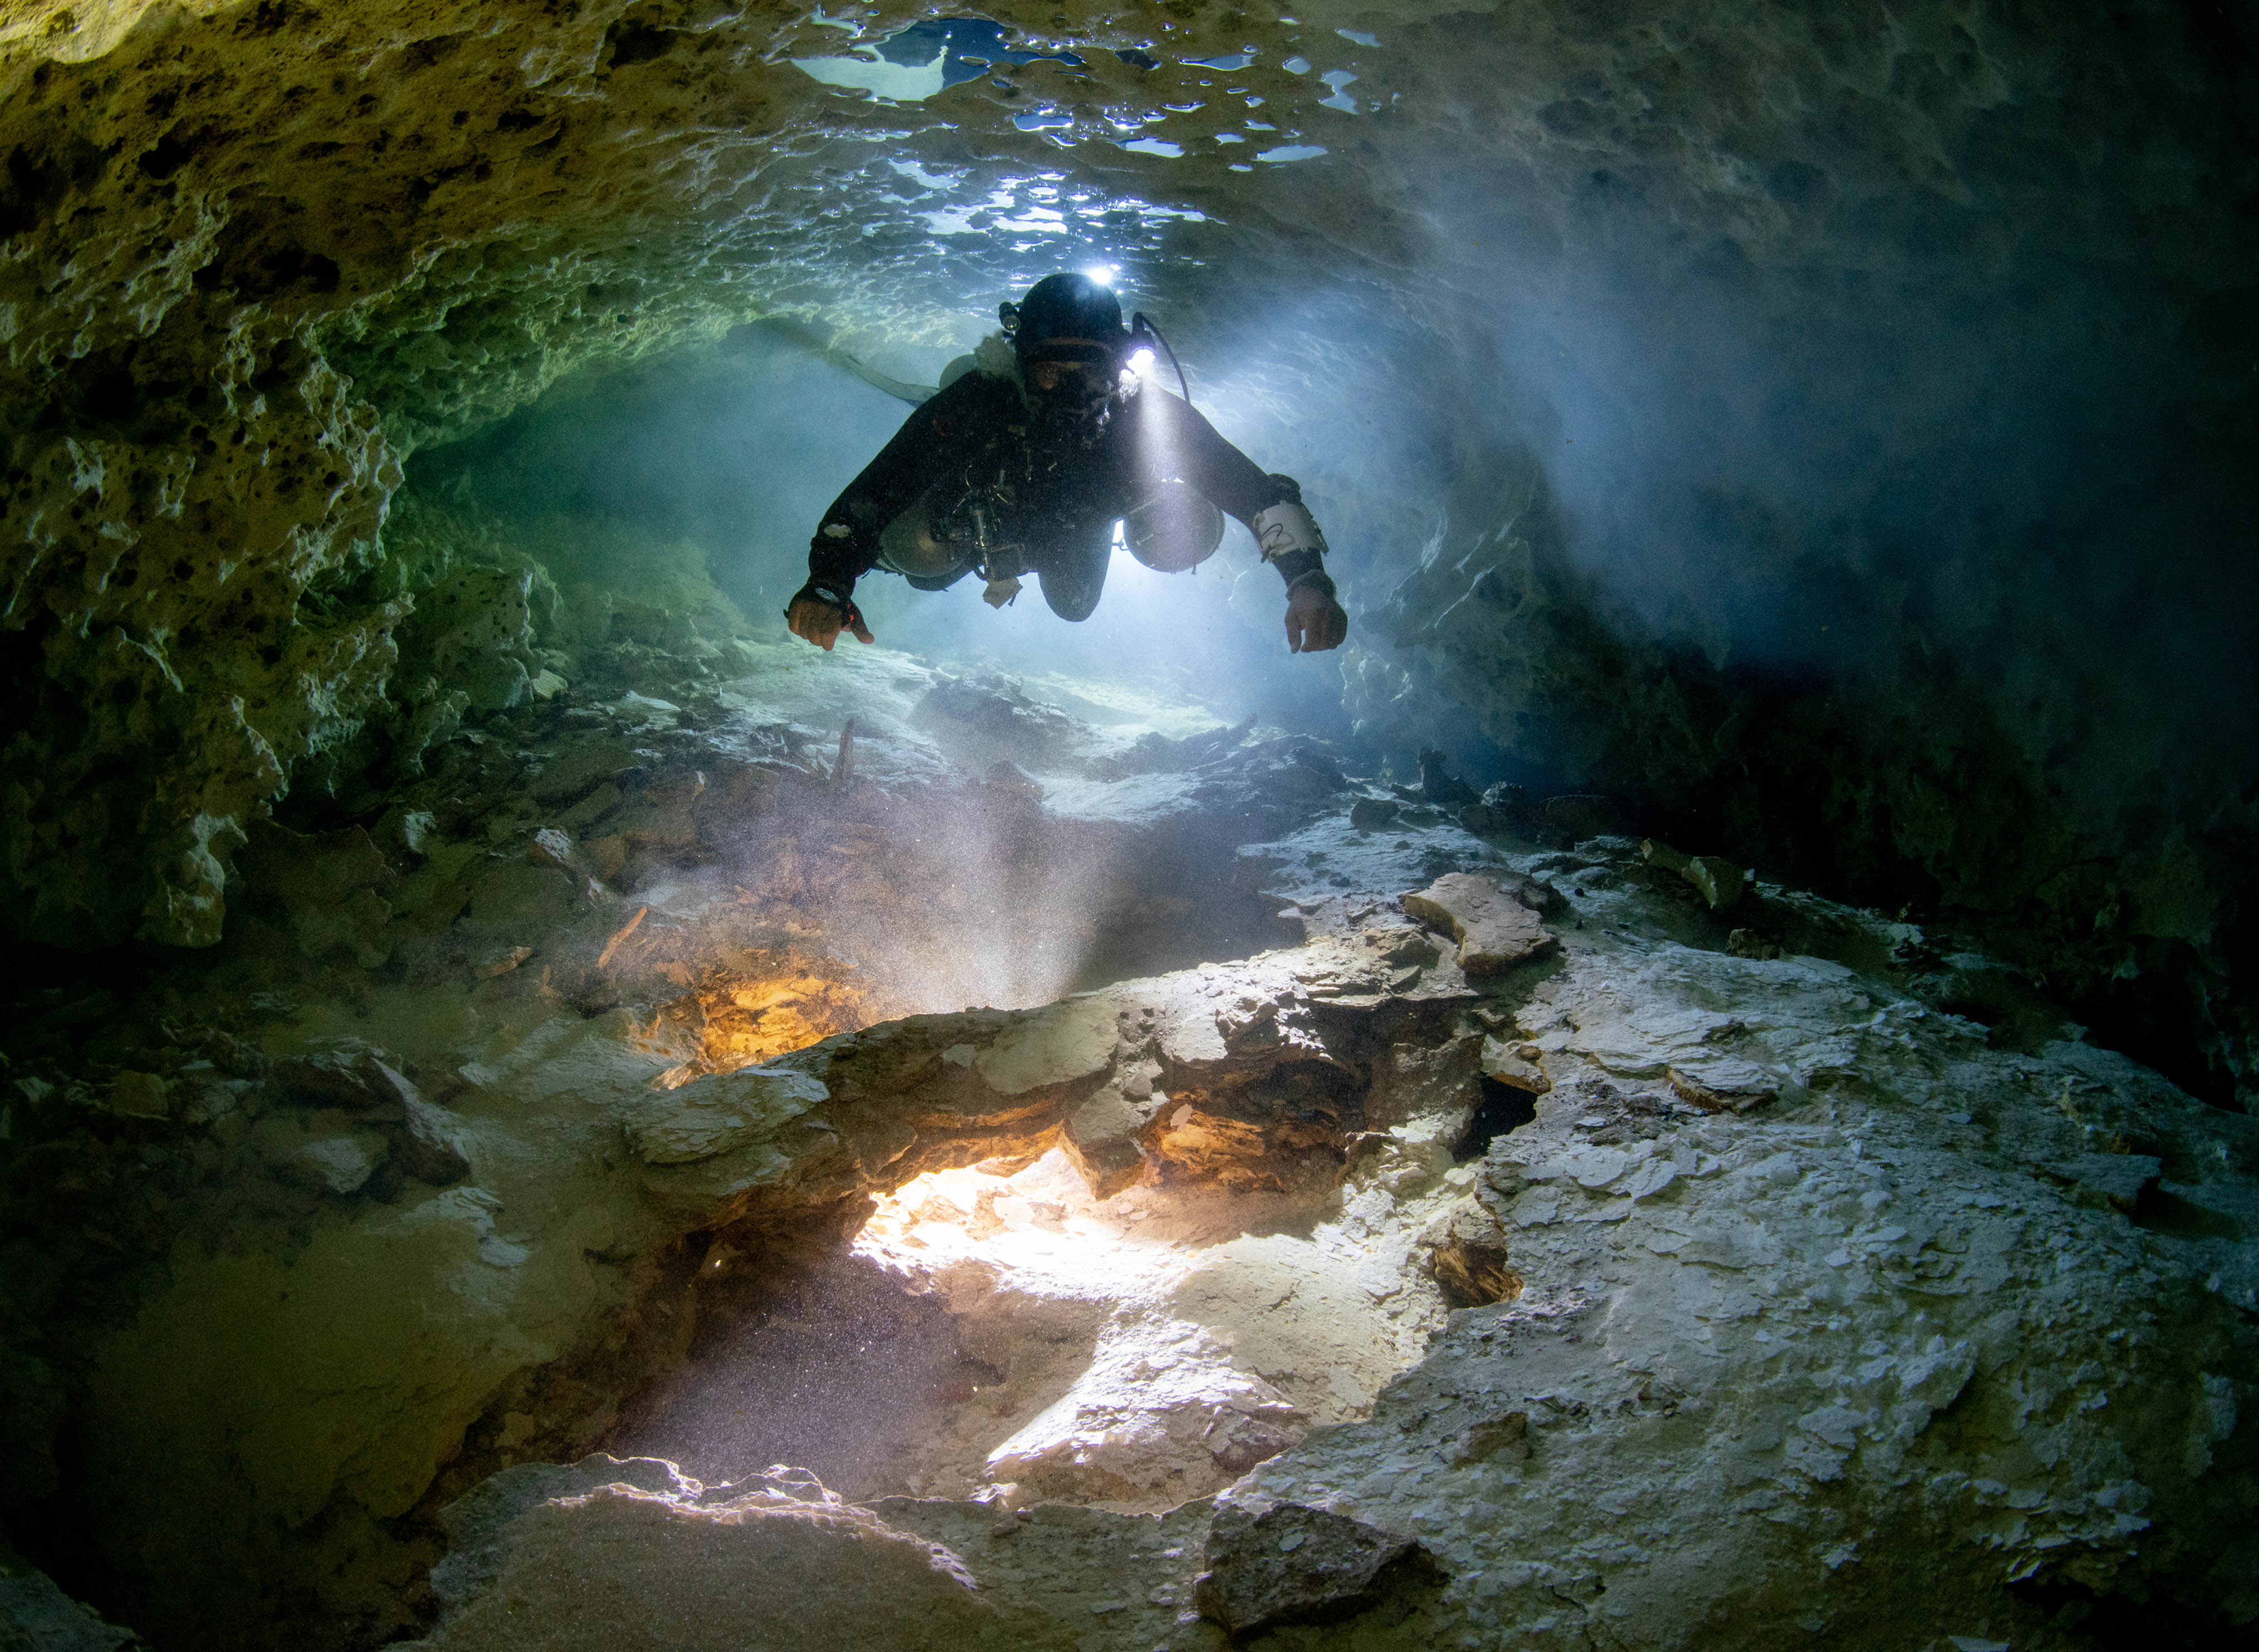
1078	604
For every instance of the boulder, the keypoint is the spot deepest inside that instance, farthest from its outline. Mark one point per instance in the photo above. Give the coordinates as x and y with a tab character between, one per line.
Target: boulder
35	1616
1495	930
1293	1564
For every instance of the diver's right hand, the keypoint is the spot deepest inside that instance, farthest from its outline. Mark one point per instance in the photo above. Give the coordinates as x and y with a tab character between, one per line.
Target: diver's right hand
819	617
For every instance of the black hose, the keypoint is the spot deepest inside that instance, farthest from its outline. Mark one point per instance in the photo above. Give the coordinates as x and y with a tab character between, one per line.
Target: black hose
1139	325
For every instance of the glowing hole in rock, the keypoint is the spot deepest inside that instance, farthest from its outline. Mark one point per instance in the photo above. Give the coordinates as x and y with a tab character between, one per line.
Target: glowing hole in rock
733	1022
1144	1350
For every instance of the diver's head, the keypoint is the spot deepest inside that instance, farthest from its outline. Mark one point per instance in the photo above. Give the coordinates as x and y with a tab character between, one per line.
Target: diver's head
1070	340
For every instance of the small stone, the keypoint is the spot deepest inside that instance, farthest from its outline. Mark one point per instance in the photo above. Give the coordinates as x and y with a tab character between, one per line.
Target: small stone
1717	879
503	963
428	1149
550	848
338	1165
348	1075
406	833
1748	944
1256	1579
1724	1089
1439	785
607	855
1371	813
1505	1436
1516	1065
140	1095
1101	1138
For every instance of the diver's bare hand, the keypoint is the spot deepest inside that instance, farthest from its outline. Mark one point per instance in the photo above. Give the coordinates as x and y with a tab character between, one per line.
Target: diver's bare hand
1315	621
820	620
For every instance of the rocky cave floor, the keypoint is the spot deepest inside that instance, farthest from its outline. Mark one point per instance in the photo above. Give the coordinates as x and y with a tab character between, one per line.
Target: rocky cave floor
567	1137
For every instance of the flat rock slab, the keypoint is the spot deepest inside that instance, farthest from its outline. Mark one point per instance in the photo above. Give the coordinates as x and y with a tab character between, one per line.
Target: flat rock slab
1298	1565
1494	930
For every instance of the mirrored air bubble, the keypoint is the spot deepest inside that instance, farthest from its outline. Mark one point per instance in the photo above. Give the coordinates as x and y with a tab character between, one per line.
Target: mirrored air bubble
1358	36
1334	80
1155	146
1230	138
1235	61
1296	65
1136	58
1292	152
1039	120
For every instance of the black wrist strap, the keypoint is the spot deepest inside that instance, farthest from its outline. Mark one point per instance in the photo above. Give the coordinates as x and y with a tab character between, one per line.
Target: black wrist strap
1304	567
828	592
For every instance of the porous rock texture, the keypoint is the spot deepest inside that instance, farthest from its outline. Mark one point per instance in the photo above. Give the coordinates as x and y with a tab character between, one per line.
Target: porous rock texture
343	1238
1943	1344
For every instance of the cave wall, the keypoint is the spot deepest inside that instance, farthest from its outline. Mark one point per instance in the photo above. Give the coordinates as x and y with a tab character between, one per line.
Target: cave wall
1817	426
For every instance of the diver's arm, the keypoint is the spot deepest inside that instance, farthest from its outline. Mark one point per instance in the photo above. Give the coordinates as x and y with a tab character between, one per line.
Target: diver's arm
1271	507
846	542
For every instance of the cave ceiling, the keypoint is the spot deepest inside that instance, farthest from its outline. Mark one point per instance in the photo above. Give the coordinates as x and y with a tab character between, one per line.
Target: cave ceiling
1895	358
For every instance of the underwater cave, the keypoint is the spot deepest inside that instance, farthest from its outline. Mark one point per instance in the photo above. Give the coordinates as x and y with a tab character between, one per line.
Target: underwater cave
1688	1086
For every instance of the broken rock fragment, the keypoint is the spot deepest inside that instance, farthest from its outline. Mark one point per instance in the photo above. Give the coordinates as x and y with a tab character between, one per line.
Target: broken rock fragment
1516	1065
1717	879
1299	1565
1725	1086
1467	1254
1495	930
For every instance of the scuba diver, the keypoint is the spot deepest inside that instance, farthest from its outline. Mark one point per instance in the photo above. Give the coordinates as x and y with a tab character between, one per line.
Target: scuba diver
1033	451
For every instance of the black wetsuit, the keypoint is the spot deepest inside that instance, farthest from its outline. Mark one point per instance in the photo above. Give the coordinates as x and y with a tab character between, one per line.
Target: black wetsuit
1020	490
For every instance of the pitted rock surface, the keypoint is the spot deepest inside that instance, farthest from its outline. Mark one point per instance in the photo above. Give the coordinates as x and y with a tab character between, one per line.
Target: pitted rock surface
1291	1564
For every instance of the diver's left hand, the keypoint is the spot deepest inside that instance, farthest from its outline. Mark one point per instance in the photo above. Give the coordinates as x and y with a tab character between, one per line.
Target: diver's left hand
1315	621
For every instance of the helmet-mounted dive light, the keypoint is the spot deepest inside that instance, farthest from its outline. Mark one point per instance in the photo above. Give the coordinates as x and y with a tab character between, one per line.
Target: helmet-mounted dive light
1142	332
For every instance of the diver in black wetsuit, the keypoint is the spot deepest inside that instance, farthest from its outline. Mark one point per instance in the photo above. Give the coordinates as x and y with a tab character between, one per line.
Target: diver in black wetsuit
1027	459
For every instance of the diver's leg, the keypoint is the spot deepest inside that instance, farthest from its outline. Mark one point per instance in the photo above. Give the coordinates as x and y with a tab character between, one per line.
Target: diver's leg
1073	574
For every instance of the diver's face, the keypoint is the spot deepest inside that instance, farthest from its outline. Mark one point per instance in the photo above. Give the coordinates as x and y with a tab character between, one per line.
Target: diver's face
1071	383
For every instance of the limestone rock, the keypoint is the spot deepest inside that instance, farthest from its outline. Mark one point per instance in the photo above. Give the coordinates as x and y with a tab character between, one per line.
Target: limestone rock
718	1113
784	1564
430	1145
338	1165
1293	1564
1518	1064
1725	1086
1718	880
346	1074
1102	1136
35	1616
1504	1436
1495	930
1467	1253
140	1095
